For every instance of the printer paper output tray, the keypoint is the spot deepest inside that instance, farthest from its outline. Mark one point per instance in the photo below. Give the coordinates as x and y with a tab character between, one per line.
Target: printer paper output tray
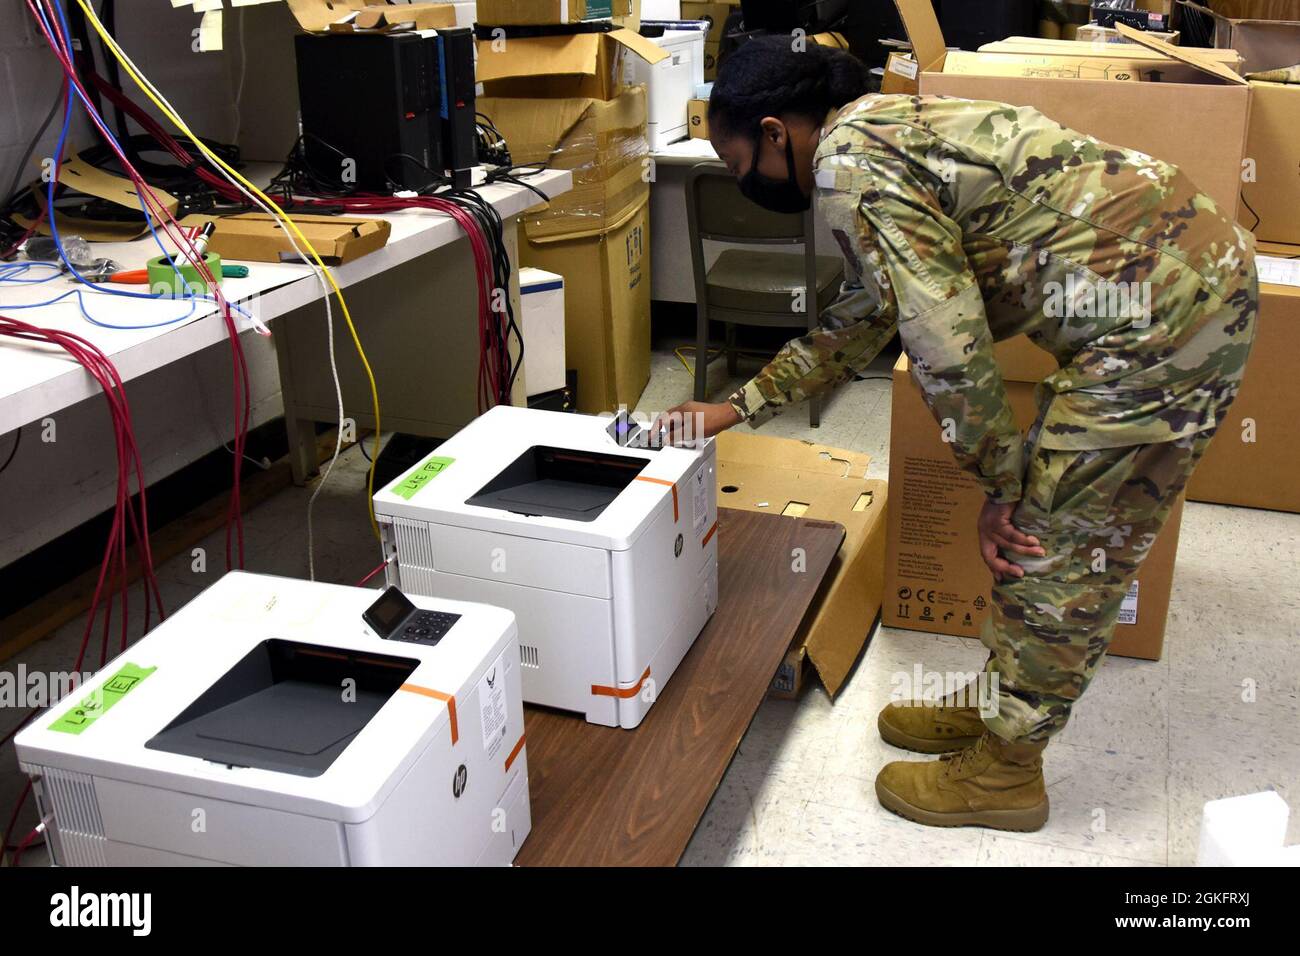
281	708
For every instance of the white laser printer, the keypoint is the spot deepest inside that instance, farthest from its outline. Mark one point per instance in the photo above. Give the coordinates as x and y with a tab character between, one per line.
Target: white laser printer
268	723
603	545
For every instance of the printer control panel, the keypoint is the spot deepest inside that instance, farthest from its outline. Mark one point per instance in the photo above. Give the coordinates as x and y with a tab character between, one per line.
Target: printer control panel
394	618
426	627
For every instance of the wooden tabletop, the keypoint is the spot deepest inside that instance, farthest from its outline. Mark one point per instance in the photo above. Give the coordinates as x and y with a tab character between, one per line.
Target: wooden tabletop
603	796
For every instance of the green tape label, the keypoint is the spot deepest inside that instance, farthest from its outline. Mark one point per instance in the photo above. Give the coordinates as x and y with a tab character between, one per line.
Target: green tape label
94	705
421	475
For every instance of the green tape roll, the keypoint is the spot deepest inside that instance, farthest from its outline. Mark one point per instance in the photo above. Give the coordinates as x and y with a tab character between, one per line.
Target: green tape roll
163	279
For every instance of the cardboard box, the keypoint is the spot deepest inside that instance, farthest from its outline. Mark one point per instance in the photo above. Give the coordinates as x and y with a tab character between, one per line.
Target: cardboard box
606	306
257	237
602	141
543	12
1265	32
711	51
901	73
803	479
715	13
1020	360
355	16
1270	189
1255	457
697	118
586	65
1200	127
935	579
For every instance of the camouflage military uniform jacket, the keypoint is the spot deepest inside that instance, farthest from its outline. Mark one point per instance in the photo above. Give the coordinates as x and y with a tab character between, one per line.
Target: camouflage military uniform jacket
963	223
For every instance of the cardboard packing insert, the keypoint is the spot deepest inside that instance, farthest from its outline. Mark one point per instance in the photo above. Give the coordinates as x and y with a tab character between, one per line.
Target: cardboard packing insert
1198	125
256	237
805	480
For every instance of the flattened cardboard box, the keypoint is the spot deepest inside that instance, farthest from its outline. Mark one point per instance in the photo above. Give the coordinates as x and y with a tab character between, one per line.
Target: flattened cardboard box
256	237
606	305
1199	127
356	16
803	479
1255	457
935	579
546	12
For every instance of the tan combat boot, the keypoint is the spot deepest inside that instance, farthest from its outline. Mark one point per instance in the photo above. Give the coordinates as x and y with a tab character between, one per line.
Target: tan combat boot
991	784
932	727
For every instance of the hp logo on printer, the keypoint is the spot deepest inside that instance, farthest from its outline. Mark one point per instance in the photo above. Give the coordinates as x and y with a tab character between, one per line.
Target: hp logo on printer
458	781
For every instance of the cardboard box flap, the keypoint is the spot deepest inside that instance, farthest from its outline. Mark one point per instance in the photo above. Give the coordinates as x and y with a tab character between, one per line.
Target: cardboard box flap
524	124
922	26
321	16
425	16
647	50
563	55
1182	54
315	16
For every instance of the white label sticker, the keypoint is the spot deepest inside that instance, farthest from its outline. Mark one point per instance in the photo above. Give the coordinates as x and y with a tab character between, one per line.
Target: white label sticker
1128	609
700	501
492	706
903	67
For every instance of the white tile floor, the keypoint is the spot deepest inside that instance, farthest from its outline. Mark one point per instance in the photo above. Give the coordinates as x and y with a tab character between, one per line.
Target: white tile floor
1148	745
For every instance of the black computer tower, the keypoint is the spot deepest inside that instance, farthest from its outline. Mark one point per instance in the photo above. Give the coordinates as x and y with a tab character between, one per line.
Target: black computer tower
371	109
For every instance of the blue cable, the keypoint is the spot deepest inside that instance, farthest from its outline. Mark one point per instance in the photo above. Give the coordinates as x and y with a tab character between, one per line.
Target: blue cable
62	33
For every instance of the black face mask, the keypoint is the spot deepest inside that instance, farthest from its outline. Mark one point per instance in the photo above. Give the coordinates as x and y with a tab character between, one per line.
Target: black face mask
774	195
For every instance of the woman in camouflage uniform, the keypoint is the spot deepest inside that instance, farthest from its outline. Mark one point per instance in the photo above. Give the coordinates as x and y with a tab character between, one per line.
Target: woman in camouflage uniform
963	223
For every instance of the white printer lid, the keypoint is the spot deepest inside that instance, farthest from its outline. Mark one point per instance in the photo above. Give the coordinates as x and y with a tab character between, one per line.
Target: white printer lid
340	764
507	472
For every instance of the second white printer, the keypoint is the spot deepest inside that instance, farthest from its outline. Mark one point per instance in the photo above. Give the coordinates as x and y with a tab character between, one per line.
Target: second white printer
607	553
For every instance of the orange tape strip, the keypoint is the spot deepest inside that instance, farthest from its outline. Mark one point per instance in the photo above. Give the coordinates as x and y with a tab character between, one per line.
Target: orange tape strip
622	693
515	753
709	535
670	484
438	695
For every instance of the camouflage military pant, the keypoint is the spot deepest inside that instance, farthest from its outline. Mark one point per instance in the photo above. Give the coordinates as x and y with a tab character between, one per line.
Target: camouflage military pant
1096	513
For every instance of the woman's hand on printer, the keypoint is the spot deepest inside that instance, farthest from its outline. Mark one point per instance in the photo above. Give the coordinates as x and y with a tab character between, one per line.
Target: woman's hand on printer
685	422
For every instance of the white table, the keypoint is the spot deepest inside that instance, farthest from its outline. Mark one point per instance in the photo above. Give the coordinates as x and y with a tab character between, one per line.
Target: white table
37	380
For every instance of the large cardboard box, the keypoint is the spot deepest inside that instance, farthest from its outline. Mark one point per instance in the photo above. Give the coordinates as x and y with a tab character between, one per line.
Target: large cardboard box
606	305
715	13
1265	32
935	579
1254	460
602	141
1200	127
1270	188
561	65
803	479
544	12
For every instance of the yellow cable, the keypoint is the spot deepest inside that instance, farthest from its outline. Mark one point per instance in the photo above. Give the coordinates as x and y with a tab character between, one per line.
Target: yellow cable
111	44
